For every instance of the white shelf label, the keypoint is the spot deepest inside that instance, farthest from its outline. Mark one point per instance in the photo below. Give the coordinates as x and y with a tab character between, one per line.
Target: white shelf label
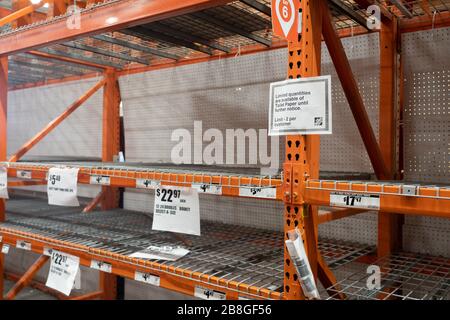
146	184
258	192
101	180
177	210
300	106
20	244
5	248
47	251
363	201
208	294
168	253
101	266
62	187
147	278
23	174
63	272
4	183
207	188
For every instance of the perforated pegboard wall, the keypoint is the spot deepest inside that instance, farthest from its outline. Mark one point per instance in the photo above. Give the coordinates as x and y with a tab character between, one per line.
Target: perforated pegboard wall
266	214
344	149
234	93
30	110
427	109
224	94
427	130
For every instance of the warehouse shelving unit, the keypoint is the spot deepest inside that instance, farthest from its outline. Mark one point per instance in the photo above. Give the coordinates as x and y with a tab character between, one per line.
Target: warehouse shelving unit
145	36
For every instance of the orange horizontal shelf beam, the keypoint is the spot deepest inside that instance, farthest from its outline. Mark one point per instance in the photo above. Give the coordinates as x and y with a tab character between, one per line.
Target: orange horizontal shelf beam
25	183
428	200
127	178
172	278
98	20
15	15
327	216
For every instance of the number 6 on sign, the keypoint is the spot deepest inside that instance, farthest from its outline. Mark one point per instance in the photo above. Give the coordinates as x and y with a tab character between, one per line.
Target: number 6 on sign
285	18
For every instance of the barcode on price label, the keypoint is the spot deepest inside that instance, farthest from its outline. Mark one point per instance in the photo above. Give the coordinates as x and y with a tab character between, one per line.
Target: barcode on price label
364	201
147	278
208	294
207	188
23	245
146	184
258	192
101	266
23	174
5	248
101	180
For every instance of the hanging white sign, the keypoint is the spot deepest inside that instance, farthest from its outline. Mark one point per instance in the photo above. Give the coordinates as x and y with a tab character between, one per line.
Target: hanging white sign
300	106
297	252
63	271
3	183
62	187
177	210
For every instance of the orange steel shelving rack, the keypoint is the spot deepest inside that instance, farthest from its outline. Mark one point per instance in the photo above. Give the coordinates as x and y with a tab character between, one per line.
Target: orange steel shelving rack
299	187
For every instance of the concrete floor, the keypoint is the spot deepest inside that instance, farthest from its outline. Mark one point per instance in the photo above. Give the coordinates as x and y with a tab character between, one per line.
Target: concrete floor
28	293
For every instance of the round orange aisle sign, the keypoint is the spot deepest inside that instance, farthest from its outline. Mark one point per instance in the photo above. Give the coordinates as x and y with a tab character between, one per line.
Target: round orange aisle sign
284	19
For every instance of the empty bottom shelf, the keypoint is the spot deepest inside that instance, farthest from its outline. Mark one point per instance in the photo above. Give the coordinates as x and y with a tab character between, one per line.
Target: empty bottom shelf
234	254
403	276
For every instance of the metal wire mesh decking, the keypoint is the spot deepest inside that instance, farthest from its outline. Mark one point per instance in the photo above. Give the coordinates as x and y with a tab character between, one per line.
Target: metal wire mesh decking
404	276
233	253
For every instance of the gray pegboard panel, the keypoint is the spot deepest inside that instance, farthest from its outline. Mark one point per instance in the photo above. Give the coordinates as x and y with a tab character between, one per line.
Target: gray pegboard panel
140	291
344	149
265	214
85	191
427	108
360	228
78	135
427	130
234	93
